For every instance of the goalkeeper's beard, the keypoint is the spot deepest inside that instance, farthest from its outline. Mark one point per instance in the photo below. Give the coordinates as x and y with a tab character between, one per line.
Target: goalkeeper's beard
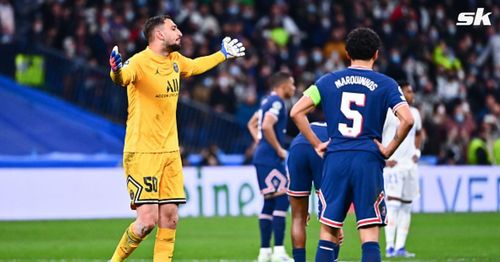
173	48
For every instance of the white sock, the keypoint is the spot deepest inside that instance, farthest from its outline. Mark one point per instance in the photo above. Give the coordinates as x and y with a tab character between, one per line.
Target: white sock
279	249
403	226
392	217
265	250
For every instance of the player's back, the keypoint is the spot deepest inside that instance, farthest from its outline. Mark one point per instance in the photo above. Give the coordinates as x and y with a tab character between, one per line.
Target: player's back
355	102
319	128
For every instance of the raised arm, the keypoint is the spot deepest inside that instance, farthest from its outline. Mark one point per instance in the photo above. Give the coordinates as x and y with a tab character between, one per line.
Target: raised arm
230	48
200	65
121	74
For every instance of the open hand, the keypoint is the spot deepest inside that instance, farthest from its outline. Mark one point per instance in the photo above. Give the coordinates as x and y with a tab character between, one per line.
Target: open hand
115	59
232	48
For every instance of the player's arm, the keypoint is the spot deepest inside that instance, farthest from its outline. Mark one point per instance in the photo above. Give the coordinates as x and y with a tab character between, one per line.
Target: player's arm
299	111
121	75
253	126
406	121
230	48
268	131
388	162
418	138
419	134
199	65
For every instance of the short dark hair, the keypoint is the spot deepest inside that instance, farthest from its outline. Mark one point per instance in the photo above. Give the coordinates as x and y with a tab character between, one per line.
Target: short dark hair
403	83
362	43
152	23
278	78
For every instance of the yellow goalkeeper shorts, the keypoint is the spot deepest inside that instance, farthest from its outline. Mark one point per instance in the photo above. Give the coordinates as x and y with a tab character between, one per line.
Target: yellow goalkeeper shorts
154	178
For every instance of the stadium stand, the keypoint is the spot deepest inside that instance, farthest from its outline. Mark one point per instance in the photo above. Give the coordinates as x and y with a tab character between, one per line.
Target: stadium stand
37	129
455	70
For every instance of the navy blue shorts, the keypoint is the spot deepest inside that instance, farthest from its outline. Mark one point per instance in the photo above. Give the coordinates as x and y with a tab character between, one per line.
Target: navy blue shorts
271	178
305	167
352	177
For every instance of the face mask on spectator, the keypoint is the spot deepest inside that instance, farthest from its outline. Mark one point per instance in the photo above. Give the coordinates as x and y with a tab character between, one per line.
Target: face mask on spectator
451	29
247	13
387	28
234	70
302	61
223	81
234	9
317	56
129	15
208	81
412	29
440	14
441	110
466	107
459	117
434	34
396	58
329	65
38	27
107	13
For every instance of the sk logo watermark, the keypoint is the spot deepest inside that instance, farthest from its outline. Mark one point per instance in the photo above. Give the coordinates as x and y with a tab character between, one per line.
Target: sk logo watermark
474	18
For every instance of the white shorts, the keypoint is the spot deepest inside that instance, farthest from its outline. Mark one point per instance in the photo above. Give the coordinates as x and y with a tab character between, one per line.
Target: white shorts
402	183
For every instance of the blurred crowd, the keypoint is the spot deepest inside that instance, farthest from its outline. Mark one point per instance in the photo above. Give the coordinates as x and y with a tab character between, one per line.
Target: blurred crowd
454	70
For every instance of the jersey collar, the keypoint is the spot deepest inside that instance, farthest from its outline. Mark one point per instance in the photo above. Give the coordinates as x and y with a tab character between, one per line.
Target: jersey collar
360	67
155	56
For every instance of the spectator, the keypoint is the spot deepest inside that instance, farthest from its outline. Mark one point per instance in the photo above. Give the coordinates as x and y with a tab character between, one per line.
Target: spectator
7	23
478	153
222	97
492	48
443	62
7	31
210	156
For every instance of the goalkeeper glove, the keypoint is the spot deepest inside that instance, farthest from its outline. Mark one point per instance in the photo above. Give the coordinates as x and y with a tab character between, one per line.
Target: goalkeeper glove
115	59
232	48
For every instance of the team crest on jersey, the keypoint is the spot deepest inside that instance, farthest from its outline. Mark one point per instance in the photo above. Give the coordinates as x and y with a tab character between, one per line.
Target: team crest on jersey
131	195
277	105
176	68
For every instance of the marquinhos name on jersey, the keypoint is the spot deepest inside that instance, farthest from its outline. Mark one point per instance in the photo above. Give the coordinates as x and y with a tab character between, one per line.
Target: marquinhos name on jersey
356	80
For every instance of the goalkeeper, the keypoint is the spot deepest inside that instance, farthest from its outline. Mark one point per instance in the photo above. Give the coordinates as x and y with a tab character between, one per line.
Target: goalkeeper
151	157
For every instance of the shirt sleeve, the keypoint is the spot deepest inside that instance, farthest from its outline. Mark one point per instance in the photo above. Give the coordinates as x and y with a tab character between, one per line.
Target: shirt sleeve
313	93
395	96
199	65
129	73
275	108
418	120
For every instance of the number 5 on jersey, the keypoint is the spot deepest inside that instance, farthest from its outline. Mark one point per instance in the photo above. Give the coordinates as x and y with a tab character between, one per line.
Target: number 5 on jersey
357	118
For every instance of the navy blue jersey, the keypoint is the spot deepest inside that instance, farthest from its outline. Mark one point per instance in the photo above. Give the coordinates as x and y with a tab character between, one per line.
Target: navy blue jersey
355	103
265	153
318	128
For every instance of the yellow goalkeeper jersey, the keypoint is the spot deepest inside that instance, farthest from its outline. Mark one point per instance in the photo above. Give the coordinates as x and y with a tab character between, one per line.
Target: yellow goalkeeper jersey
153	83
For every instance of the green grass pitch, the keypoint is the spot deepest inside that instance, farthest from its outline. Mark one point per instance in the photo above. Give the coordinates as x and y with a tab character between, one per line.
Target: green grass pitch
433	237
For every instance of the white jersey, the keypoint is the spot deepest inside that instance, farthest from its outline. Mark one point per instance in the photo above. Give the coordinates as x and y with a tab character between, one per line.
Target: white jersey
405	152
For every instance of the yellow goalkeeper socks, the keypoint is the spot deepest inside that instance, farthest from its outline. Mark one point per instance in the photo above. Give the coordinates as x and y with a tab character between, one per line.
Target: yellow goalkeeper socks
128	243
164	245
